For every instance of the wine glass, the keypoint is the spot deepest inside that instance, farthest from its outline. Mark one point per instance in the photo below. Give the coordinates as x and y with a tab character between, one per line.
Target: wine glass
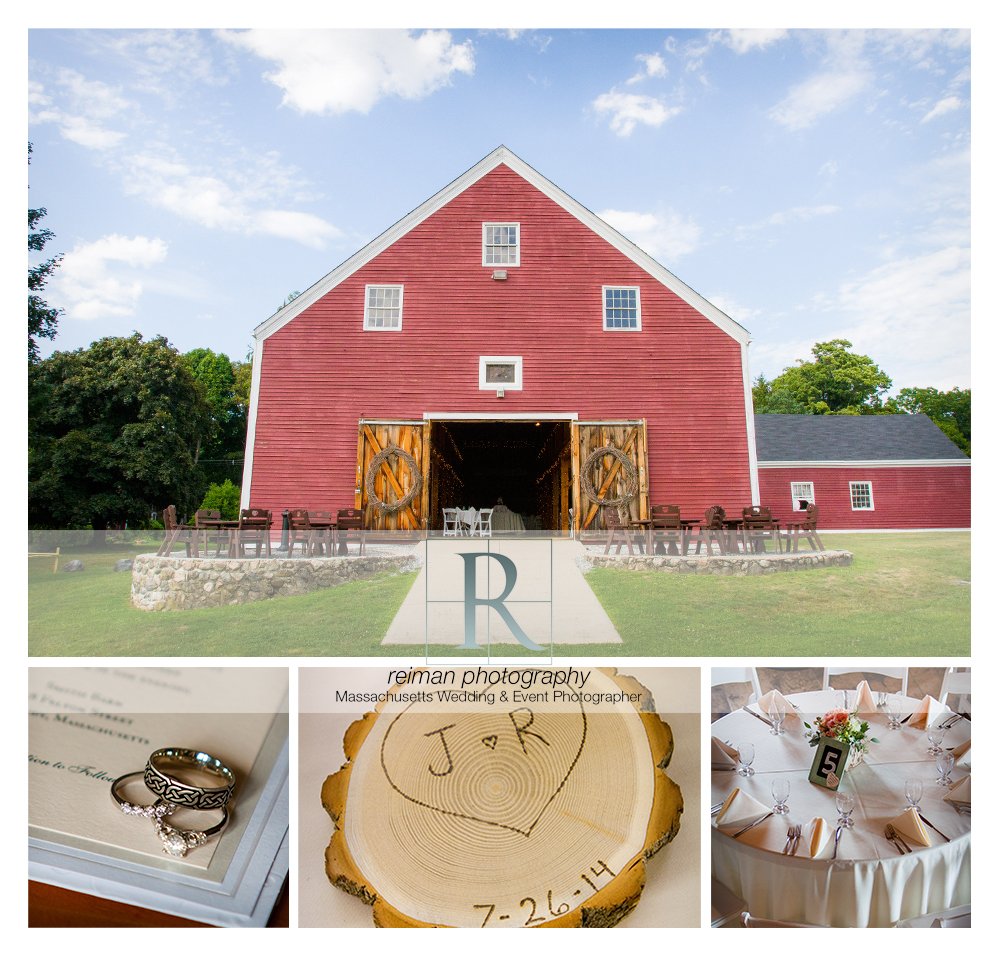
779	792
913	789
945	762
746	754
845	805
935	736
776	713
894	708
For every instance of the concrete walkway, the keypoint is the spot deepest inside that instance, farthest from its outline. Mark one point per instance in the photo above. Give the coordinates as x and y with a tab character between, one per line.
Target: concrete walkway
539	581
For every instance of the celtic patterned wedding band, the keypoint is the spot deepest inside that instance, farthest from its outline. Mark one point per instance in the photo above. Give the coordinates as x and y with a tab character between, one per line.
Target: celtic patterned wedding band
173	790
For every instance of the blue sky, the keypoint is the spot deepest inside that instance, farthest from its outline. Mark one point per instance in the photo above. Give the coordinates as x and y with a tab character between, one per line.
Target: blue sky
811	183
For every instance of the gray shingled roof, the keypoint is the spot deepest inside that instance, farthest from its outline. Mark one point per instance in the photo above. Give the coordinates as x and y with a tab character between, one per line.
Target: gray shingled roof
836	438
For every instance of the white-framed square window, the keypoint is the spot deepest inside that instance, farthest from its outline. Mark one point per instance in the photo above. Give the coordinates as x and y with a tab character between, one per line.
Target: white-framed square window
500	372
501	244
802	496
622	309
861	497
384	307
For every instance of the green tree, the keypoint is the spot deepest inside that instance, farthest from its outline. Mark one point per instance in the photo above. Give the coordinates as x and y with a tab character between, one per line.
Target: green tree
114	431
225	497
768	400
42	318
835	381
222	380
951	411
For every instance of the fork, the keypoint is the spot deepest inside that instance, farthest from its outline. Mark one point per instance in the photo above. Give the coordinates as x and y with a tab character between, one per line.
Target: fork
788	843
798	835
890	833
902	841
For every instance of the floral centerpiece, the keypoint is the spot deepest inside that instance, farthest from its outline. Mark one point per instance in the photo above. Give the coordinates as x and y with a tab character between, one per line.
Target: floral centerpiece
845	727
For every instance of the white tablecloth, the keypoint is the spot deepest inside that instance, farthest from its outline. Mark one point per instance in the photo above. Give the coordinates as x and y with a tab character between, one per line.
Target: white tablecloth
870	883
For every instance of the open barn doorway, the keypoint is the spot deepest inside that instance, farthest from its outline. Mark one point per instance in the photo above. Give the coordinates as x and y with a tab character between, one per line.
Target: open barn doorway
522	467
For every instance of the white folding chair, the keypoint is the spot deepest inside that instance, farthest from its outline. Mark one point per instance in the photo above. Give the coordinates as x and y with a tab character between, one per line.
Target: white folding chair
484	523
889	672
957	682
725	676
451	522
748	921
727	907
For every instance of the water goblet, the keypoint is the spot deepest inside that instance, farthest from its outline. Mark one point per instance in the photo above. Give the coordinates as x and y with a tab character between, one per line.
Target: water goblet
776	713
913	789
944	762
894	709
845	805
779	792
746	753
935	736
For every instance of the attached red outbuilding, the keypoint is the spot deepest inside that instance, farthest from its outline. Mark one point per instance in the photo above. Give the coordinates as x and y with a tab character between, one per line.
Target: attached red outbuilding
864	472
487	347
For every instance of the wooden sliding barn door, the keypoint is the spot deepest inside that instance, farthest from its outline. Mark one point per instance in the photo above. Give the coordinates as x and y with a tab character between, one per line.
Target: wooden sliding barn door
609	477
394	476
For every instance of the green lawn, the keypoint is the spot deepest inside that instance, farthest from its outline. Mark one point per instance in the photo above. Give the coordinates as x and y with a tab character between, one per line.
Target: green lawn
905	595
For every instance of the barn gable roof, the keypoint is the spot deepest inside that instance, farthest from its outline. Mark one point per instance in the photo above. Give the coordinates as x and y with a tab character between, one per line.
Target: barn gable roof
501	156
787	439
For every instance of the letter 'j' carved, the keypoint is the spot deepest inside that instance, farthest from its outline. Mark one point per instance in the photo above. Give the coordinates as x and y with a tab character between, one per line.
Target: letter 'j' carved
444	745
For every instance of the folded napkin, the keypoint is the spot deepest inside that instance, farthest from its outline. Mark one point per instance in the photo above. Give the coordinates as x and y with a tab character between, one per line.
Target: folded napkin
768	700
963	754
910	827
723	756
961	791
928	712
740	809
864	700
819	834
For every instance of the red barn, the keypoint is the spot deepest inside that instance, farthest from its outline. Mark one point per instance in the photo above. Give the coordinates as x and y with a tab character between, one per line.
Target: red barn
484	348
864	472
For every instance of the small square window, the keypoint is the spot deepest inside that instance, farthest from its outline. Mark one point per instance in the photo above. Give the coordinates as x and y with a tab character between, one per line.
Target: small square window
384	307
501	244
500	372
621	308
802	496
861	496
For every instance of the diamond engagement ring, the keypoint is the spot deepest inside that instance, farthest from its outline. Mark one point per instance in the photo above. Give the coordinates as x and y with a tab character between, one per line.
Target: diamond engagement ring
176	841
174	790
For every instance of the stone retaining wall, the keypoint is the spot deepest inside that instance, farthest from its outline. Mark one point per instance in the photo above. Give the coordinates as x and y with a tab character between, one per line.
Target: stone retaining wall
724	565
162	582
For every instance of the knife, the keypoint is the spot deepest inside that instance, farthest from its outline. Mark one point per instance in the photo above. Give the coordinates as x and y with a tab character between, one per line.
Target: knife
938	830
760	718
902	841
836	839
747	828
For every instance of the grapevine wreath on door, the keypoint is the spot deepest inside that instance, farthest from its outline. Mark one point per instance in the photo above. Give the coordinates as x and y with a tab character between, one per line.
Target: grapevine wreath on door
375	466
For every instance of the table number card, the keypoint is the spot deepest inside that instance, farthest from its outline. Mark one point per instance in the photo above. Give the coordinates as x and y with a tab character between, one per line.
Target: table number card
828	765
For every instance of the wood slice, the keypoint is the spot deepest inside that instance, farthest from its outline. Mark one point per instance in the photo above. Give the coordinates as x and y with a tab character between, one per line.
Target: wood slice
535	810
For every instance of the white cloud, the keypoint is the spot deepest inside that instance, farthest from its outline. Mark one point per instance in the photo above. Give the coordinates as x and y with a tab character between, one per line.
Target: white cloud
800	214
913	316
104	278
82	109
629	109
742	314
743	41
653	65
236	204
338	71
819	95
665	236
947	105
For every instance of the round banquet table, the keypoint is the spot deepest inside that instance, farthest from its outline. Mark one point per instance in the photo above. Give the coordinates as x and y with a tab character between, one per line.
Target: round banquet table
870	883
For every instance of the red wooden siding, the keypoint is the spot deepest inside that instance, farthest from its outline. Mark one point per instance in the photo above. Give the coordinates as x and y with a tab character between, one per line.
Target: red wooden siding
321	372
910	497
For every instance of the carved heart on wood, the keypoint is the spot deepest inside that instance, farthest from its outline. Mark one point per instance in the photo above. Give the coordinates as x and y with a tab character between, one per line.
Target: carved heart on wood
437	760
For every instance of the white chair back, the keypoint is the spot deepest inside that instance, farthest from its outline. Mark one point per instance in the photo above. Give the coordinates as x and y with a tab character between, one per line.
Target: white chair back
958	683
485	523
889	672
451	527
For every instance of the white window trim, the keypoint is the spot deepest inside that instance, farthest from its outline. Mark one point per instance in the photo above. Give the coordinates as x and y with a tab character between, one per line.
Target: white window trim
871	495
637	328
364	315
795	499
517	363
517	247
